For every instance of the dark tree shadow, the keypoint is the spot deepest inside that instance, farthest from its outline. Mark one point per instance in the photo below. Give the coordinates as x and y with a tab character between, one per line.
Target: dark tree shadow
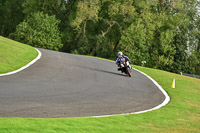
104	71
109	72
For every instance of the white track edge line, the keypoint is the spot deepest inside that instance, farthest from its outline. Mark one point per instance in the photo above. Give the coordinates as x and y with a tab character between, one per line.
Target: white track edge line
26	66
165	102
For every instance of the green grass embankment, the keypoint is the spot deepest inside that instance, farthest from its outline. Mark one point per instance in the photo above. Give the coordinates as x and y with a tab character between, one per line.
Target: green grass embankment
14	55
181	115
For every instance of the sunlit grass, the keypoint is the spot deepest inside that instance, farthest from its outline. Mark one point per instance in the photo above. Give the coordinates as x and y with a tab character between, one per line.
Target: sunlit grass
181	115
14	55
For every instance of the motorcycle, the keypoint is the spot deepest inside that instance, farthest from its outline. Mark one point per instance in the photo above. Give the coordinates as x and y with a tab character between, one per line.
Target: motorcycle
125	67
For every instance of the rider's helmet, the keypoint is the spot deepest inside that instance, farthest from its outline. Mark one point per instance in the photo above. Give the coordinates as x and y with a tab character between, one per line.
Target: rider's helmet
119	54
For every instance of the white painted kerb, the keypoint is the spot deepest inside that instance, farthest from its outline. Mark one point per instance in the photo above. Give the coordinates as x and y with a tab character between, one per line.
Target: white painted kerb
24	67
165	102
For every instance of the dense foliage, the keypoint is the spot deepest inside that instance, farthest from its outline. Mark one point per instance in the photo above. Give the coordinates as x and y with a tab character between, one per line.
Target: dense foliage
164	33
39	30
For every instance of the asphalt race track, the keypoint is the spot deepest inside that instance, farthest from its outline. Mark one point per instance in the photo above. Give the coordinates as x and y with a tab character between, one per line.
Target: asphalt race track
66	85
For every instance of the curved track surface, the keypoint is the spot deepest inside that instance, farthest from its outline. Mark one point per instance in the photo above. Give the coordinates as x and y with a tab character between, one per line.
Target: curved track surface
66	85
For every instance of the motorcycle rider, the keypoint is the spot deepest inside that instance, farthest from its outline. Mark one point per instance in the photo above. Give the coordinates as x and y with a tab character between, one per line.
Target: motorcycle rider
118	60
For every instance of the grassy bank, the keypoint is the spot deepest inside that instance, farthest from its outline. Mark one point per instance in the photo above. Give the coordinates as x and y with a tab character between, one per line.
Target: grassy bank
14	55
181	115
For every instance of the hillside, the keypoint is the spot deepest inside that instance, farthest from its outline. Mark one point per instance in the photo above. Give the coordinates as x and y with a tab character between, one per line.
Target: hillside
14	55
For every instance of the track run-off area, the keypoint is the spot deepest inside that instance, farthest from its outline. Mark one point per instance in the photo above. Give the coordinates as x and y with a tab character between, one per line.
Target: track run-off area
67	85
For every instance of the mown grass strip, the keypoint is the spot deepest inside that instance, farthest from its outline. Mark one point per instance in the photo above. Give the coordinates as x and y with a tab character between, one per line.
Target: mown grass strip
181	115
14	55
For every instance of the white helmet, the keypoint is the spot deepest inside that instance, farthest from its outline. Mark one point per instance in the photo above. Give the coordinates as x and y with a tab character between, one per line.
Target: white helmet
120	54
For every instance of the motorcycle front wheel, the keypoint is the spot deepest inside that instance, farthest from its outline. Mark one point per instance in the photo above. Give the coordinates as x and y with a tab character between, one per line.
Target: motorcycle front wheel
128	72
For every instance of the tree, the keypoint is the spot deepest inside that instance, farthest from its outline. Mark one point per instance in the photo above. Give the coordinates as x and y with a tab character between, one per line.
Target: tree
39	30
50	7
185	17
86	10
98	19
133	43
11	14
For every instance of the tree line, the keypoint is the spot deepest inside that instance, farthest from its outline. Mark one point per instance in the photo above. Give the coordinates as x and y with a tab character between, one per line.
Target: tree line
164	33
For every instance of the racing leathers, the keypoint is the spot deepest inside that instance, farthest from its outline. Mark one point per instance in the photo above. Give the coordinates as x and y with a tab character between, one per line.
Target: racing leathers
118	60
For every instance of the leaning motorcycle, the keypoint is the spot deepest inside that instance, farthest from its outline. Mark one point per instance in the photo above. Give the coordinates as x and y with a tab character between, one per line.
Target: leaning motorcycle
125	67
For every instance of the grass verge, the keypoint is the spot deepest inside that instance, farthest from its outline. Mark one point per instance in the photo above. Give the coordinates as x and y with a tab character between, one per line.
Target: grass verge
181	115
14	55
